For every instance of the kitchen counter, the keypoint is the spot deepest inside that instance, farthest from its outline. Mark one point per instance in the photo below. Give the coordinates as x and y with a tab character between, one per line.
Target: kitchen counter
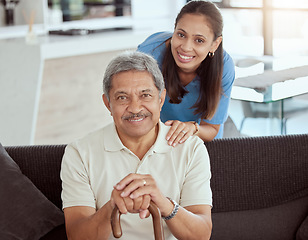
21	68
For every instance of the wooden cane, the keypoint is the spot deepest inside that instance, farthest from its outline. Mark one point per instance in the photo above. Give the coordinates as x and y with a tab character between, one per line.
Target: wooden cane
156	216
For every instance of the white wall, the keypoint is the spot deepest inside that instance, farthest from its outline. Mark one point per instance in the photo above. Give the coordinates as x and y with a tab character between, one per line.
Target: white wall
155	14
20	83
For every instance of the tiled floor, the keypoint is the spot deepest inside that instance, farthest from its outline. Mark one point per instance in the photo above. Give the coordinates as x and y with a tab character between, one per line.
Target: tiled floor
71	98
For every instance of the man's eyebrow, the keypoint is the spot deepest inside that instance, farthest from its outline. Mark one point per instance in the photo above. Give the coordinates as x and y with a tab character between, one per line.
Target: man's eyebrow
120	92
141	91
147	90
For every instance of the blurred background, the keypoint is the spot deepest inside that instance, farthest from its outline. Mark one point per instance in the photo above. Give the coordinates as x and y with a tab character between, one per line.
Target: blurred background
53	54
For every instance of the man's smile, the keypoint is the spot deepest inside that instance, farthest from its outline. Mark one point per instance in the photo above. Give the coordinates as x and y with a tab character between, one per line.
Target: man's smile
136	120
138	117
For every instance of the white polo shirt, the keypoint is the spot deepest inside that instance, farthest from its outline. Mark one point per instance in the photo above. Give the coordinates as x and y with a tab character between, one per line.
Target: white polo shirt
92	165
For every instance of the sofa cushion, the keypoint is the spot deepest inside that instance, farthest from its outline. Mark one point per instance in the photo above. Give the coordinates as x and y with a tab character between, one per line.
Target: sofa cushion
58	233
302	233
25	212
275	223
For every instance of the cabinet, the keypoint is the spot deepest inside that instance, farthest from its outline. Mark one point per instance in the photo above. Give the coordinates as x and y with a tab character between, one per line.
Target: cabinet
71	14
138	14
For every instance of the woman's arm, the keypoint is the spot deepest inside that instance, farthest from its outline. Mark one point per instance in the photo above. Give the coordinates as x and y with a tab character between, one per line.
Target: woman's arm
181	131
208	131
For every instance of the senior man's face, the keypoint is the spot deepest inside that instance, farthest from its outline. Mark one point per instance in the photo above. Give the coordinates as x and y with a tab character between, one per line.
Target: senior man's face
134	103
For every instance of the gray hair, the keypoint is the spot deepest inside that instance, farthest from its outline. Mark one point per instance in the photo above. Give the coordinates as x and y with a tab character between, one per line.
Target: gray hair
133	60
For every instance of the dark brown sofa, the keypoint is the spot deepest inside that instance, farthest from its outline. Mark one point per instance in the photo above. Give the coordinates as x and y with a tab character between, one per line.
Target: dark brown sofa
259	184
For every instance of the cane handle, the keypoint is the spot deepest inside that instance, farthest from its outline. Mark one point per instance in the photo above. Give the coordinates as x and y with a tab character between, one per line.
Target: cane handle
156	216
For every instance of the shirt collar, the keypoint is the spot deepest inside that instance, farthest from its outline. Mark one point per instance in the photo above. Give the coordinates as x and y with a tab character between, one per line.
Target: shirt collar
113	143
161	144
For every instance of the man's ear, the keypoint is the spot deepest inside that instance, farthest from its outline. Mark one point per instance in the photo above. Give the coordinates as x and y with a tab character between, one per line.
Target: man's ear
162	98
106	102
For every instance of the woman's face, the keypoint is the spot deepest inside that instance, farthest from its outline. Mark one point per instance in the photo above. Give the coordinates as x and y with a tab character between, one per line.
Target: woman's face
191	42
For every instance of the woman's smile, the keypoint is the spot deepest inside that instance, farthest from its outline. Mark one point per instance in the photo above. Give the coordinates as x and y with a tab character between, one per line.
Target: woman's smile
184	58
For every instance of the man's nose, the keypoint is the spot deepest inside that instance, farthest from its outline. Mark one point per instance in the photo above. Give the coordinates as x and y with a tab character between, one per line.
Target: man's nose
134	105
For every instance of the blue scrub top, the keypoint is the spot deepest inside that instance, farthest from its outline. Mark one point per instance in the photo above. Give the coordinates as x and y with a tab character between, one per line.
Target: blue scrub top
155	45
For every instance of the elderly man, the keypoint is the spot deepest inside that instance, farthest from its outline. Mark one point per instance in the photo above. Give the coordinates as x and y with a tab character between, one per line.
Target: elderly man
129	163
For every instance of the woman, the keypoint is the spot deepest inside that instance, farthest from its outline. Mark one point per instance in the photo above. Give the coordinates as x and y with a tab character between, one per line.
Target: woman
198	73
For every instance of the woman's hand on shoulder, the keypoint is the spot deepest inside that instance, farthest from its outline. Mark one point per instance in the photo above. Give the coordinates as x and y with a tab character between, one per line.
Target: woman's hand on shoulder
179	131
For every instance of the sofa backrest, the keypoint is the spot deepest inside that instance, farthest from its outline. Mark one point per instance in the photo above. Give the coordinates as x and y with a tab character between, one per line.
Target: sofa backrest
247	173
258	172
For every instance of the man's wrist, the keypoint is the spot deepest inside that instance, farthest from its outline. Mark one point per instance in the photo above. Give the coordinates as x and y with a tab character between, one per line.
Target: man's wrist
174	210
168	206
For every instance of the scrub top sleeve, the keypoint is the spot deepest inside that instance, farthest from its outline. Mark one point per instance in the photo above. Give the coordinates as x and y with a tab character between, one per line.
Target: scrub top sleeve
145	49
155	46
149	44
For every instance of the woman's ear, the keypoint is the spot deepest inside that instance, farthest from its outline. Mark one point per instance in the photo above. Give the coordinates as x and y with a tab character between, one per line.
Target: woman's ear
216	44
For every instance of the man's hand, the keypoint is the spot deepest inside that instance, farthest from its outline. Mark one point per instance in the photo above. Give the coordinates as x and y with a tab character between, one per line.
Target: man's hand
136	188
132	205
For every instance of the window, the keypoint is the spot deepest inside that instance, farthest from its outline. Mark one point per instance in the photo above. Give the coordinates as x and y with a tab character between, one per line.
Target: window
269	27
